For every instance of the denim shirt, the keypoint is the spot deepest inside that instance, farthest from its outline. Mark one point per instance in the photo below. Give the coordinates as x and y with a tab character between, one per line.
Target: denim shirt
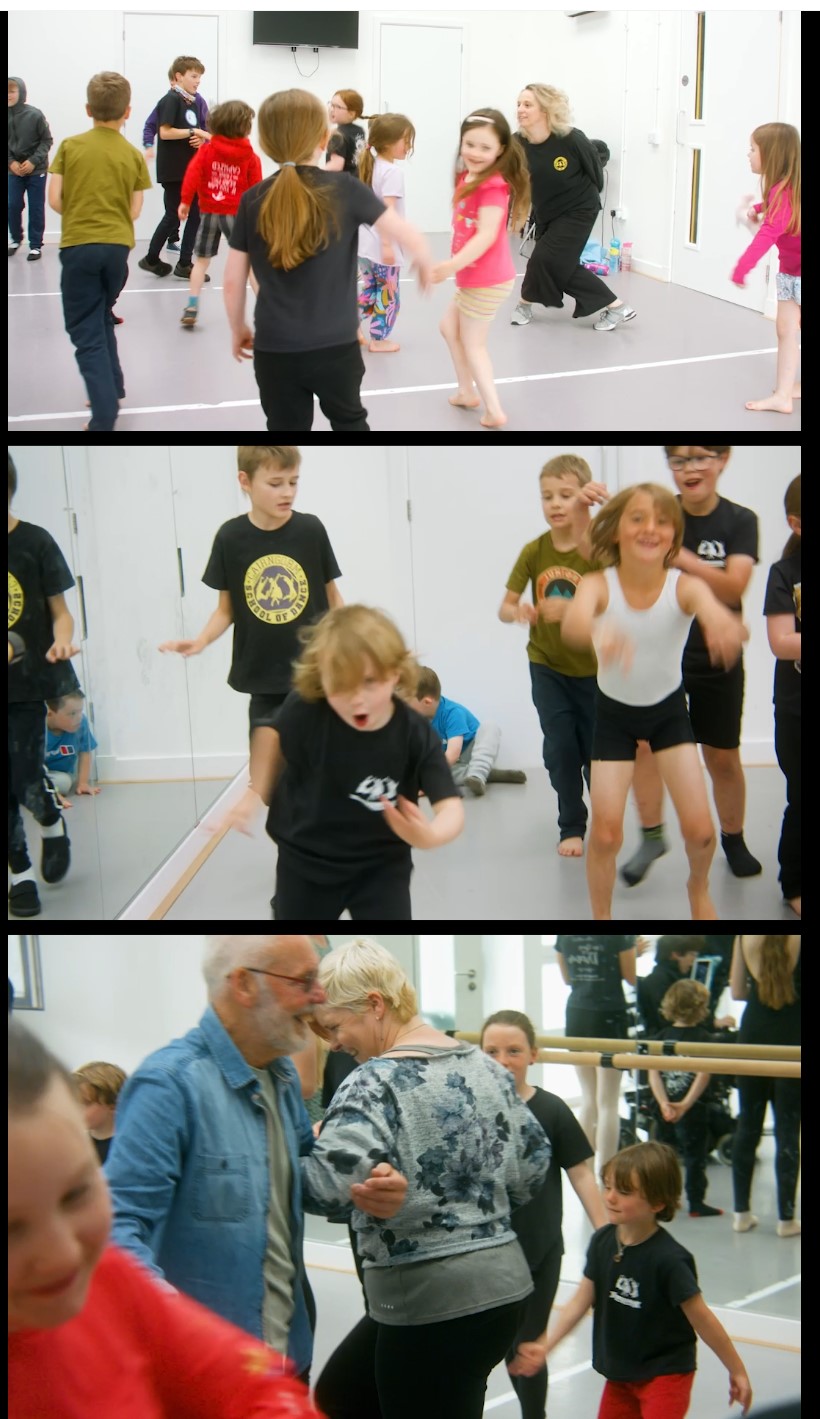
188	1173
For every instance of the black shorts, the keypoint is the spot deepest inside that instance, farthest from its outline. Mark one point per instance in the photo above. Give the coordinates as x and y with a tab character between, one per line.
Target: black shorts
263	708
618	727
596	1024
716	705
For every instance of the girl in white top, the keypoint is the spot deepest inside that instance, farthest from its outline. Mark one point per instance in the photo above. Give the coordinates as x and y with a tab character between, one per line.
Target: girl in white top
389	140
637	614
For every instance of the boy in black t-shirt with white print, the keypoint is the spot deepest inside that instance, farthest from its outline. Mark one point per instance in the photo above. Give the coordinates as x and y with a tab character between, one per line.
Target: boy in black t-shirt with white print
178	138
275	572
648	1307
42	624
719	546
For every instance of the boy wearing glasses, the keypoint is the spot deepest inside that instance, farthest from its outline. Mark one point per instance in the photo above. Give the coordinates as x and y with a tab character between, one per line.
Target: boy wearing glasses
720	543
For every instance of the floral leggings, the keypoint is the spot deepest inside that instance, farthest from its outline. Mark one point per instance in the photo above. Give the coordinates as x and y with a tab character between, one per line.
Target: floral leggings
378	297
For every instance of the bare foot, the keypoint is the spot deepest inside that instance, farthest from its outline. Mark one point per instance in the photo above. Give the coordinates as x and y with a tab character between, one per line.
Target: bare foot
796	392
777	403
383	347
571	847
497	423
464	401
362	339
703	908
794	903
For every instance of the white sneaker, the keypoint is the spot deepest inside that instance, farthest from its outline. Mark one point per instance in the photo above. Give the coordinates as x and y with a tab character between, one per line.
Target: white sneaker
522	315
788	1229
744	1221
610	318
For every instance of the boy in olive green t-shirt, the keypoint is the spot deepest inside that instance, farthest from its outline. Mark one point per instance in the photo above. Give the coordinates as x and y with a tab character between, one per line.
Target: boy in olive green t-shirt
98	181
563	679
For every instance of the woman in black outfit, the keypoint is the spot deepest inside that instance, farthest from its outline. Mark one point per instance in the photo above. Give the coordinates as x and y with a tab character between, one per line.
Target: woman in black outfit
566	177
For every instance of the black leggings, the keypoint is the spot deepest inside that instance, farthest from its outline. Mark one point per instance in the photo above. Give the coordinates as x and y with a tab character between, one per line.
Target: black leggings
535	1313
785	1098
554	266
403	1371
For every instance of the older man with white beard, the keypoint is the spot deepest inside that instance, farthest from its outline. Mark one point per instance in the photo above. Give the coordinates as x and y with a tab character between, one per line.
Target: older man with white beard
204	1171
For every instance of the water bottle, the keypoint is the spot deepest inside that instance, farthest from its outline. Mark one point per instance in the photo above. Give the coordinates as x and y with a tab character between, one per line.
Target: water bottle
626	256
614	254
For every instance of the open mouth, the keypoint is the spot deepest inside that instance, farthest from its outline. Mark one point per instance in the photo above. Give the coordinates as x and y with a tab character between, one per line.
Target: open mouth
360	720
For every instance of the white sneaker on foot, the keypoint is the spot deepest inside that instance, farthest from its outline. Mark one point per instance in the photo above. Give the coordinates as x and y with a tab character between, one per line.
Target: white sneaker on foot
788	1229
744	1221
610	318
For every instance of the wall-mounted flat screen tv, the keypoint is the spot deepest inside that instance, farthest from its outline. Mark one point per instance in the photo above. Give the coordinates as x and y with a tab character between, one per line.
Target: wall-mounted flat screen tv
336	29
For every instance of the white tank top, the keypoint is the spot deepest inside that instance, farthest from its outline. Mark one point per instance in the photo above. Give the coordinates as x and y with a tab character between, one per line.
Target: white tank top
658	636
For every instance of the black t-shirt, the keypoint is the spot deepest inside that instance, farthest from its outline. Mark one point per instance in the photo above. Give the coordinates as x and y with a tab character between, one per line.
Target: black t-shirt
595	970
538	1223
347	141
277	582
783	599
174	154
639	1330
566	175
730	530
325	813
314	305
37	570
677	1082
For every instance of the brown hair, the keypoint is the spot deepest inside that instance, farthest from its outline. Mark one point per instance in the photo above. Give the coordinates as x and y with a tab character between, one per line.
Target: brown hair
686	1000
604	530
183	63
428	683
516	1019
653	1170
232	119
338	646
668	946
251	458
108	96
779	145
352	101
792	503
297	216
721	448
31	1069
104	1080
567	465
775	983
385	130
511	163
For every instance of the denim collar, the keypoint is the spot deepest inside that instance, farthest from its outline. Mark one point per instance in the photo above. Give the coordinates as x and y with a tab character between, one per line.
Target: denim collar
238	1073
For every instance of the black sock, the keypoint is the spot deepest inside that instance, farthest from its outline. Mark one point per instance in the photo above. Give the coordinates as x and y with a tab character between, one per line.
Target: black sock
738	856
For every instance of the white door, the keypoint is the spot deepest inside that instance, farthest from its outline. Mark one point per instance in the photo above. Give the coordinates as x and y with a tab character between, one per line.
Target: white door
407	52
150	43
728	85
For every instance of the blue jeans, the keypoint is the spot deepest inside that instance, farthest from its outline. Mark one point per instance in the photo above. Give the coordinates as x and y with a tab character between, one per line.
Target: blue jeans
93	276
33	186
566	709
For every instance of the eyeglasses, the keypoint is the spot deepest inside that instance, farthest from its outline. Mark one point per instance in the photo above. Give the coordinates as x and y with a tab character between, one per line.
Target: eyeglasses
308	983
678	464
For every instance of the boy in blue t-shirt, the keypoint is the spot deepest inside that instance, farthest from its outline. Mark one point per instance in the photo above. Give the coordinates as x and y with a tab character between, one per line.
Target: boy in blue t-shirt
69	743
471	748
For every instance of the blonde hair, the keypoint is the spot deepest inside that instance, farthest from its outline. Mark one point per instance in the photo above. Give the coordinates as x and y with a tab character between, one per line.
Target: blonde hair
104	1080
779	145
604	531
252	457
351	972
555	105
775	982
686	1000
567	465
338	646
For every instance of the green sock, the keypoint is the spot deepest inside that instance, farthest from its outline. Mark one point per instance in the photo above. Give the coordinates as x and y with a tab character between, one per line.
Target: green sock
652	847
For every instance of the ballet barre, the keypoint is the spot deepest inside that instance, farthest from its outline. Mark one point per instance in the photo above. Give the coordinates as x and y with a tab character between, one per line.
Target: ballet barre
770	1069
664	1047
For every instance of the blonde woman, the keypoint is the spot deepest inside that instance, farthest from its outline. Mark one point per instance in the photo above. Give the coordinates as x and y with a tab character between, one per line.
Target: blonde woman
445	1280
566	177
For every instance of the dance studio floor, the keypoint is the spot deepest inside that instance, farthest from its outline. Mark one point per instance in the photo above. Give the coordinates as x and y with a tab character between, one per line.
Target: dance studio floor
687	357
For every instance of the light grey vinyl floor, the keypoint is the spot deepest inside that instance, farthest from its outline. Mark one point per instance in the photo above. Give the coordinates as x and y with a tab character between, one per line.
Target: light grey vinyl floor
687	359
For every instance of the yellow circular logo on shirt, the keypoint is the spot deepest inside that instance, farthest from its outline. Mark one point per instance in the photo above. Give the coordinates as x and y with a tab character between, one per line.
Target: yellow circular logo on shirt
276	589
560	164
15	600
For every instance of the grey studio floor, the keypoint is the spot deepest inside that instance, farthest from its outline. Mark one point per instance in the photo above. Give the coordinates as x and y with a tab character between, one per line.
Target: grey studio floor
756	1272
686	357
503	867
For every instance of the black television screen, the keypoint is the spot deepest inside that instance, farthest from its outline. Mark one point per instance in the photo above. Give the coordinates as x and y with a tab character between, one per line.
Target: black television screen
337	29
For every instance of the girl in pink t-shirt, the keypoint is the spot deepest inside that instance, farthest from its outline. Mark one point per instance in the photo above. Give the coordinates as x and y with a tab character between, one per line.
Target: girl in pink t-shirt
494	181
774	152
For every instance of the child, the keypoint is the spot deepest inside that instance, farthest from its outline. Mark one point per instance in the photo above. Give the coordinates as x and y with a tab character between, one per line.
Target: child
97	185
298	231
99	1084
774	152
149	136
90	1331
681	1097
69	745
782	611
179	135
391	138
38	579
216	177
720	547
274	570
347	141
492	193
29	143
470	746
638	613
509	1038
648	1305
563	680
349	757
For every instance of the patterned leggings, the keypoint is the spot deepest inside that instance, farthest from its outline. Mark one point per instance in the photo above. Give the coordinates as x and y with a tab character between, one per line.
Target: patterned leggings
378	297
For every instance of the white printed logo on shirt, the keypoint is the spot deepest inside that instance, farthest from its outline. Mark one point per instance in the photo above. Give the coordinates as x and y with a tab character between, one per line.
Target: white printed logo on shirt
372	789
626	1292
712	551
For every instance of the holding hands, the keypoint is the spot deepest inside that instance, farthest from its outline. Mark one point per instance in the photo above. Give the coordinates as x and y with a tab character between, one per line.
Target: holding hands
530	1357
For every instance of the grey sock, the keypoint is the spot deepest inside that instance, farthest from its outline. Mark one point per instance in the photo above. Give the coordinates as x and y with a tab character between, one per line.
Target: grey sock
652	847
